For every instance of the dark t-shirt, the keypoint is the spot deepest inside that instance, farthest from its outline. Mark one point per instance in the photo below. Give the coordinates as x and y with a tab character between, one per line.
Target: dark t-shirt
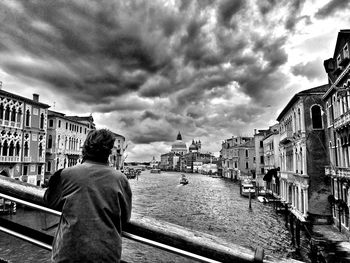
95	201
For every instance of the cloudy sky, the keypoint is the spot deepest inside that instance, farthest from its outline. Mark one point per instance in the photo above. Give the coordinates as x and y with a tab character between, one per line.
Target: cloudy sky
149	69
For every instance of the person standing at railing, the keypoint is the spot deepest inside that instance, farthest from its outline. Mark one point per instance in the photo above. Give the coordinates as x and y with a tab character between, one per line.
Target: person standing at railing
95	201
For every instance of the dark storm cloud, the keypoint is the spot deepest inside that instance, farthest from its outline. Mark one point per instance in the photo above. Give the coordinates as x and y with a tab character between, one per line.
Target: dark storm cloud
227	9
331	8
311	70
155	65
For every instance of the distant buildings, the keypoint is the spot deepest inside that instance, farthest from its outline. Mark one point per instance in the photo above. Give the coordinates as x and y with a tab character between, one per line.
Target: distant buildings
238	157
35	142
187	160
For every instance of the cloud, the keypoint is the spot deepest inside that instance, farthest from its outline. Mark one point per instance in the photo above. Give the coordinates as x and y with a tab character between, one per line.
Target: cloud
148	69
331	8
311	70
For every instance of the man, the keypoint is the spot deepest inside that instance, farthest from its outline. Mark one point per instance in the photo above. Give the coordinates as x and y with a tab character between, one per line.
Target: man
95	200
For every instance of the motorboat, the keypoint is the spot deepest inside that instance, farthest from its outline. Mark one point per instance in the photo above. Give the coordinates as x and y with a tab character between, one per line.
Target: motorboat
155	171
262	199
183	180
247	188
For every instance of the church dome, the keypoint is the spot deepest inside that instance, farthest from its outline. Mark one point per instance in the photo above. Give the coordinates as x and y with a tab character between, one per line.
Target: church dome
193	147
179	146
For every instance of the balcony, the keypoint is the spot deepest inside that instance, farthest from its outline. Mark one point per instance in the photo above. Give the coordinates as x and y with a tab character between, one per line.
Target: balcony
286	137
342	172
292	177
10	159
342	120
27	159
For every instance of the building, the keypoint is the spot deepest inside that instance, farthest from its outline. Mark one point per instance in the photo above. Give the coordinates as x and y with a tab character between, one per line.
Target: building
238	157
65	138
23	124
337	99
259	155
179	147
303	156
272	160
116	158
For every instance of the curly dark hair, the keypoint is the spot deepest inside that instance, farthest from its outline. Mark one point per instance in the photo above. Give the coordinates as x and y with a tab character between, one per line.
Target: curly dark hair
98	145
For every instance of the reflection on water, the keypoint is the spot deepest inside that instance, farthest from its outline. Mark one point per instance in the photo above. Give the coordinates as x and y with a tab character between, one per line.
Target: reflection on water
210	205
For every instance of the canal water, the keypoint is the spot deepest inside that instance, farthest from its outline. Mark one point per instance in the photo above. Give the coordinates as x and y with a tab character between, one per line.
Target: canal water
210	205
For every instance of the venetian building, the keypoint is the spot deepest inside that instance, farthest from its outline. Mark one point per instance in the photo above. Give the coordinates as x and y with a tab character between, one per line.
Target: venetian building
337	99
23	125
65	138
303	155
116	158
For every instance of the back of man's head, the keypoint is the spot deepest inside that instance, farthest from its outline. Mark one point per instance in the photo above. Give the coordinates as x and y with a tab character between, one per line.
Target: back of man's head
98	145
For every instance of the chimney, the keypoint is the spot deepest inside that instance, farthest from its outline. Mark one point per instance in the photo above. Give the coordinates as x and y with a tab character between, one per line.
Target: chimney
36	97
254	131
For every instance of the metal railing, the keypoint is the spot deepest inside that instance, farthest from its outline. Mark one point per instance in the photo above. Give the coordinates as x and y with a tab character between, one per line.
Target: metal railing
163	235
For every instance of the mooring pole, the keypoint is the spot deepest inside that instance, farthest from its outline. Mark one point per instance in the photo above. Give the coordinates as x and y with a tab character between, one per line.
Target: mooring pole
250	199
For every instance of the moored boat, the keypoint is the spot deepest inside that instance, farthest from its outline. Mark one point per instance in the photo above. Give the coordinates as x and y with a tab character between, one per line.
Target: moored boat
155	171
183	180
247	188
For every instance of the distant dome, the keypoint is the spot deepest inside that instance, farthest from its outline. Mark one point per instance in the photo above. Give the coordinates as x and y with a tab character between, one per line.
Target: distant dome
193	147
179	146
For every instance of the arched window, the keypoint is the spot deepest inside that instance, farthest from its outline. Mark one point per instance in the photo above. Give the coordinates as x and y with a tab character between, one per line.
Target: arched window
58	141
26	149
301	160
7	113
316	117
27	118
49	143
17	149
11	149
19	116
13	115
1	111
5	149
42	118
49	166
57	163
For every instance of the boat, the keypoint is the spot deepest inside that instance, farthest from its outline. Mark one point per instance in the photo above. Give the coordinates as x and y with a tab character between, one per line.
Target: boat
247	188
262	199
155	171
183	180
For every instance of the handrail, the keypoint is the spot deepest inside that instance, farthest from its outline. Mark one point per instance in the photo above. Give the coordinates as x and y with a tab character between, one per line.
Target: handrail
166	236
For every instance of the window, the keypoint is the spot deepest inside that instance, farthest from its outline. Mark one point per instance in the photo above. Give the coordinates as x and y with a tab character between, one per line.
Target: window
246	165
1	111
42	118
13	115
261	144
51	123
262	159
5	149
49	144
27	118
40	167
7	113
316	117
26	149
262	170
49	166
25	169
246	153
66	125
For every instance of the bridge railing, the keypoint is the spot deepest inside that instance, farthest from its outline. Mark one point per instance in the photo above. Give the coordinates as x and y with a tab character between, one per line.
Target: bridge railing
163	235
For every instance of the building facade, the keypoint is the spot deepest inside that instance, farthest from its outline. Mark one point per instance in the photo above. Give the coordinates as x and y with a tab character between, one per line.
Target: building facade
65	138
337	100
259	155
303	155
116	158
23	124
238	157
272	160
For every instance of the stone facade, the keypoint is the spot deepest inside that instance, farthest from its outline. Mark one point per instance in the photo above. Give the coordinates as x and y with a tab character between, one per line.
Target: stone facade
23	124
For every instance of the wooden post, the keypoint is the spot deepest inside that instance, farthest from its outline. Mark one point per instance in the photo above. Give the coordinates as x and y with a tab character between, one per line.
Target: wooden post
291	222
297	233
250	199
